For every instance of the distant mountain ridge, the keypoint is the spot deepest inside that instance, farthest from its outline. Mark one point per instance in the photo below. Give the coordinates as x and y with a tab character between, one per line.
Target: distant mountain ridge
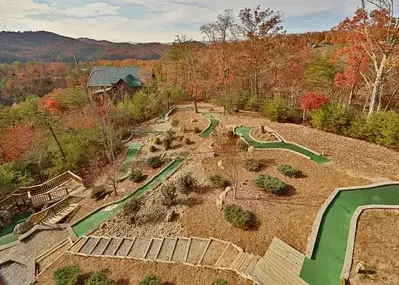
46	46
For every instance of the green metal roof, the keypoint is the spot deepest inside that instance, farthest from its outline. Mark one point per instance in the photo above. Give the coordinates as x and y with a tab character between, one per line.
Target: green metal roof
102	76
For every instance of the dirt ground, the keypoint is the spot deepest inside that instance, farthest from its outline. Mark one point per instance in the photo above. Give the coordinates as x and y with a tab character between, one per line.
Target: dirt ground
377	247
288	217
126	272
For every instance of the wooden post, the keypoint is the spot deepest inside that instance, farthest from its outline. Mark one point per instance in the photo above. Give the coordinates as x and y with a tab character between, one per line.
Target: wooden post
262	129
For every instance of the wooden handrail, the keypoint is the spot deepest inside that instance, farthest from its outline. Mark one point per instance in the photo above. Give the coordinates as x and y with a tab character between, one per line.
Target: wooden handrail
50	211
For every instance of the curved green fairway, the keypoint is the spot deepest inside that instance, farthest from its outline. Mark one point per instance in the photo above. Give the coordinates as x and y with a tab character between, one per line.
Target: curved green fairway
330	250
245	132
92	221
7	236
162	118
214	123
132	151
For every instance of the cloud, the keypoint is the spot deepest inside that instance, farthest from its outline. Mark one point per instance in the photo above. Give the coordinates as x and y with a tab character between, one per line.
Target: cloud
156	20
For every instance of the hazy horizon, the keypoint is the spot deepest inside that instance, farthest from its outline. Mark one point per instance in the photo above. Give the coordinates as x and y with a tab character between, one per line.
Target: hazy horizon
155	20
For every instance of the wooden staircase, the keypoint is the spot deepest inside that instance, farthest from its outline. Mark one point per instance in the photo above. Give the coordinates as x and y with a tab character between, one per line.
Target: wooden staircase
281	264
59	216
210	253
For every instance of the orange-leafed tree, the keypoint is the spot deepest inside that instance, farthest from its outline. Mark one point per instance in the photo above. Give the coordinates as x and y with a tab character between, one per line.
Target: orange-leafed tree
311	101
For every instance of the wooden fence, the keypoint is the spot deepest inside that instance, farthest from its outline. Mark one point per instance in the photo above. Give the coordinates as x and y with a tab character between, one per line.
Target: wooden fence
51	211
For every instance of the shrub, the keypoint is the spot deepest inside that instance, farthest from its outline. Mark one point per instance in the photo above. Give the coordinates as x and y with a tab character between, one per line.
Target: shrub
187	141
167	144
153	149
98	192
220	282
332	117
136	176
169	194
197	130
150	280
187	183
175	123
131	208
271	184
154	162
218	181
276	110
241	145
237	216
157	141
252	165
66	275
100	278
288	170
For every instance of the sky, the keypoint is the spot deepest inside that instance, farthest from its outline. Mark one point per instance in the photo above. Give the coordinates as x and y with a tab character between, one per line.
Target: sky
157	20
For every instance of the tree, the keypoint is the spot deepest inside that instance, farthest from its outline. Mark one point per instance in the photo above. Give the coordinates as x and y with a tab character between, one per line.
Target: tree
222	30
377	32
311	101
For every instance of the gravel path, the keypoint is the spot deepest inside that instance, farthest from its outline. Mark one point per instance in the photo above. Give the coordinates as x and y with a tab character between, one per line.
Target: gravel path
14	273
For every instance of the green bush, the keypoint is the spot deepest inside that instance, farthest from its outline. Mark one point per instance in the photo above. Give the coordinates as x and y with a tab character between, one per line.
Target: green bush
271	184
136	176
332	117
100	278
66	275
153	149
276	110
169	194
218	181
175	123
241	145
157	141
150	280
187	183
99	192
154	162
131	208
220	282
253	165
237	216
288	170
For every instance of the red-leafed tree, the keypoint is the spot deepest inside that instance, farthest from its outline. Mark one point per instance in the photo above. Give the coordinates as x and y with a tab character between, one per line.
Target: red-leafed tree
311	101
16	141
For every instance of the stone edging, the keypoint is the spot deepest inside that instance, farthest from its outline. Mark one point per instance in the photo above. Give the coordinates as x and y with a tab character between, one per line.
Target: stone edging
350	249
73	234
320	214
277	148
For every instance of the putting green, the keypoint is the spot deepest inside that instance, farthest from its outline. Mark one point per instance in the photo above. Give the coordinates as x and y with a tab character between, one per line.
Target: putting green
162	118
92	221
245	133
214	122
7	236
132	151
329	252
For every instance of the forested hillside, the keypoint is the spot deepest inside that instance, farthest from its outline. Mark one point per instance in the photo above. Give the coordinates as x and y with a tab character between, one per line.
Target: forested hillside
48	47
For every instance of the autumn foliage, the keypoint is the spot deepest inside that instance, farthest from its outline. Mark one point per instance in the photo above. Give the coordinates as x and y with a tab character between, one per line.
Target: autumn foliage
313	100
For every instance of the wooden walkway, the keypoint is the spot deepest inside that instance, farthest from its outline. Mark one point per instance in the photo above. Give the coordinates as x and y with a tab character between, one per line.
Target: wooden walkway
281	265
210	253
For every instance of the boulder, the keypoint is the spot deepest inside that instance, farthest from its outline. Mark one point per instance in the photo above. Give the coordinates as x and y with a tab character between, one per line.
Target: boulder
171	216
194	120
5	219
251	149
23	228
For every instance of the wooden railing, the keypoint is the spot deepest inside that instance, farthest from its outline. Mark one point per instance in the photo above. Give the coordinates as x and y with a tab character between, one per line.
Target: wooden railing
49	196
50	184
22	195
50	211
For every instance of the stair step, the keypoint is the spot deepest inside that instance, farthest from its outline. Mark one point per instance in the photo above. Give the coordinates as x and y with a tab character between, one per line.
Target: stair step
251	266
238	258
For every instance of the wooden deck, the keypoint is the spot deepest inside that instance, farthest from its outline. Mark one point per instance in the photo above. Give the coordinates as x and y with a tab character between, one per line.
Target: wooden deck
281	265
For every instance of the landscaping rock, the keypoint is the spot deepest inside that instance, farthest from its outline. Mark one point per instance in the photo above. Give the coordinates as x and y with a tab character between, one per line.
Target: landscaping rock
5	219
251	149
219	204
171	216
194	120
23	228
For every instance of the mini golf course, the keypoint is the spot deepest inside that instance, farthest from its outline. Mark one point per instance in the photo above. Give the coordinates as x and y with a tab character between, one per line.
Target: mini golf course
7	236
329	253
164	116
245	133
95	219
214	122
132	151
